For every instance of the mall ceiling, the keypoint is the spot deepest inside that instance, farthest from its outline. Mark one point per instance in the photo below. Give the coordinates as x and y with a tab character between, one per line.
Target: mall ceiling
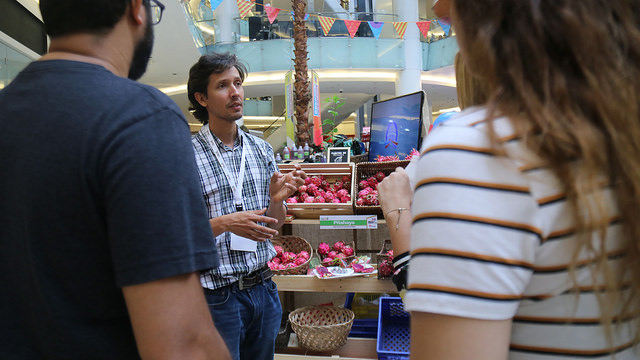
174	53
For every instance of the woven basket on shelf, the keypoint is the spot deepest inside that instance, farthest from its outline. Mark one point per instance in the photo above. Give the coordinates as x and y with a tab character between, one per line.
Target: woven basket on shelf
321	328
365	170
293	244
347	259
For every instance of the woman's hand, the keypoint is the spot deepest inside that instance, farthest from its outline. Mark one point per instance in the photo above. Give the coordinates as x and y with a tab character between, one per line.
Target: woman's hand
395	191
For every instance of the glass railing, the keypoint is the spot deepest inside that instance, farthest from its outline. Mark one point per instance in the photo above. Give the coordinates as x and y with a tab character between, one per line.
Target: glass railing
205	26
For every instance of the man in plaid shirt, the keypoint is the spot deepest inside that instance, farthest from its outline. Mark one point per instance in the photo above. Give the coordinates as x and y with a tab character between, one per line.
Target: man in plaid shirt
245	194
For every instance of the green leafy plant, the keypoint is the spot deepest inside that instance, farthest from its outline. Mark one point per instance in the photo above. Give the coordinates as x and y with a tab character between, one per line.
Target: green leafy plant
331	136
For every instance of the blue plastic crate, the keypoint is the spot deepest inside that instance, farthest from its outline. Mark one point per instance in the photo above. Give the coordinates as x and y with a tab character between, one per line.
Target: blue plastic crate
393	330
364	328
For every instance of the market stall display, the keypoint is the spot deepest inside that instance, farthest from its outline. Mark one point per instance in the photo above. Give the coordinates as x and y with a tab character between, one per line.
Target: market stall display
327	192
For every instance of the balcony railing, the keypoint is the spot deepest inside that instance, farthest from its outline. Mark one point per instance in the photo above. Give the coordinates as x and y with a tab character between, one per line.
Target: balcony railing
205	26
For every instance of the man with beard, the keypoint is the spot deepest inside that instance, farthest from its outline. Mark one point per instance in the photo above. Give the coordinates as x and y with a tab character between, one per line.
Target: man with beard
103	230
245	194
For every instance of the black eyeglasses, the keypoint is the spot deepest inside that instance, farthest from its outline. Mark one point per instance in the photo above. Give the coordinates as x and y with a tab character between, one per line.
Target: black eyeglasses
156	11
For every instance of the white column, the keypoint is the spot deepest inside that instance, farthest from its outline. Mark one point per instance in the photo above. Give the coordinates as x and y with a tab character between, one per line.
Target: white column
227	11
408	79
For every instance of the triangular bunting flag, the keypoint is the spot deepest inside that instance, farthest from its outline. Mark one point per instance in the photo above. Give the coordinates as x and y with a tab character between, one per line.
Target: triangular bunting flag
326	23
272	12
376	28
424	27
400	27
445	24
244	7
352	26
214	4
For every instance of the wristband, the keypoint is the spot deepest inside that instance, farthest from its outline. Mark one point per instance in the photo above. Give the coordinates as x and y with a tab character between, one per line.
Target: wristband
399	210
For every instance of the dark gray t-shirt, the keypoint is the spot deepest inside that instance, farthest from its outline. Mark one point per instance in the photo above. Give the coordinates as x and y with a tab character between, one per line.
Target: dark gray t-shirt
98	190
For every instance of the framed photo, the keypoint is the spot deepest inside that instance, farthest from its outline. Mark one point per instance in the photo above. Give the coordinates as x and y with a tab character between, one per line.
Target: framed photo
338	154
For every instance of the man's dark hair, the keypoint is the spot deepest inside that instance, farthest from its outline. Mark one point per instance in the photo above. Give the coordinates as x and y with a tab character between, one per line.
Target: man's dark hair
63	17
199	74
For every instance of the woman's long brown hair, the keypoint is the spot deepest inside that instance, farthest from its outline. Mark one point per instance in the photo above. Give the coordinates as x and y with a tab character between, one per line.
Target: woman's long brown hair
567	74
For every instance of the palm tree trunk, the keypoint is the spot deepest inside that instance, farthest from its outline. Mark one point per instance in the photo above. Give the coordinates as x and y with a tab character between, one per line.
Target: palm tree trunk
302	94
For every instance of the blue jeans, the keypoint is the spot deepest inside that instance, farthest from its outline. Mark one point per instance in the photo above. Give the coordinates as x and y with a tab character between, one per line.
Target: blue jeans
248	320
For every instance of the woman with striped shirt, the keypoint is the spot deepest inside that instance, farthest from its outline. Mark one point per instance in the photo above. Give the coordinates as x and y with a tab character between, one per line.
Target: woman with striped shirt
524	238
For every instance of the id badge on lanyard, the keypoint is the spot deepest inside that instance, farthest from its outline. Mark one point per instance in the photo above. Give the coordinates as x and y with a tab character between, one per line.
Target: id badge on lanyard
238	243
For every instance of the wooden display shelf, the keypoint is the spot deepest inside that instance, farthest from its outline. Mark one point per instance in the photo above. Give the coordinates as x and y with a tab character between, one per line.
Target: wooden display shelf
363	284
354	349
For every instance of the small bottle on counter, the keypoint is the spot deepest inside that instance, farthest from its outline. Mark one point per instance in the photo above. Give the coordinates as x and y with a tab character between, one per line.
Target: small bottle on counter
278	158
306	150
286	154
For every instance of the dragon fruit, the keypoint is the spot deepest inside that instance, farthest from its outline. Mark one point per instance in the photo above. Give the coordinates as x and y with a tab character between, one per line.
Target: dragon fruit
327	260
387	158
380	176
288	256
346	178
323	248
332	254
303	255
302	188
300	261
292	200
363	184
342	192
309	200
373	182
360	202
412	154
346	185
385	268
319	199
364	192
336	201
276	260
337	185
345	199
347	250
329	197
279	250
338	245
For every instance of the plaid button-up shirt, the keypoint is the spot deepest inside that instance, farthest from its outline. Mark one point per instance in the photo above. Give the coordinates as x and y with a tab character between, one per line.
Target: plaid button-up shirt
218	195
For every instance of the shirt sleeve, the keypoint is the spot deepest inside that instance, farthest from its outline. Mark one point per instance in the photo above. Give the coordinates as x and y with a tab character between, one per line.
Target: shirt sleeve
475	234
156	217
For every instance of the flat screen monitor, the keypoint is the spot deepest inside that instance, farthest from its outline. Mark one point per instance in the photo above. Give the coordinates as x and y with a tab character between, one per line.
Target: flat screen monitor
396	126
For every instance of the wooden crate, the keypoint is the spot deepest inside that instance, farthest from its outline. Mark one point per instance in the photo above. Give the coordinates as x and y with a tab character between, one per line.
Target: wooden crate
332	172
363	171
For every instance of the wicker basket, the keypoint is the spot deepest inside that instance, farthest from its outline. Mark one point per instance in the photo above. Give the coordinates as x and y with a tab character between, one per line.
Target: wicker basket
321	328
347	259
294	244
365	170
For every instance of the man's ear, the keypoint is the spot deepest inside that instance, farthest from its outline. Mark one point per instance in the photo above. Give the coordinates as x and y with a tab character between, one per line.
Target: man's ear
201	98
138	11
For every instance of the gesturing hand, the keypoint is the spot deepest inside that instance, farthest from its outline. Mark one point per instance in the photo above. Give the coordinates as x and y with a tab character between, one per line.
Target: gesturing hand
245	224
283	186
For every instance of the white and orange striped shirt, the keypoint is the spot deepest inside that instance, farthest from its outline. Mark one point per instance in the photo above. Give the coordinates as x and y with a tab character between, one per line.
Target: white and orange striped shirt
492	239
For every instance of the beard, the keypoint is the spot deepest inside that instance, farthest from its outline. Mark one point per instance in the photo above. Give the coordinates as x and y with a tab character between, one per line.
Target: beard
142	54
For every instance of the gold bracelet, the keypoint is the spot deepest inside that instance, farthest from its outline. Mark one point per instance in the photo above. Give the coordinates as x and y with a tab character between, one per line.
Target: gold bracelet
399	210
